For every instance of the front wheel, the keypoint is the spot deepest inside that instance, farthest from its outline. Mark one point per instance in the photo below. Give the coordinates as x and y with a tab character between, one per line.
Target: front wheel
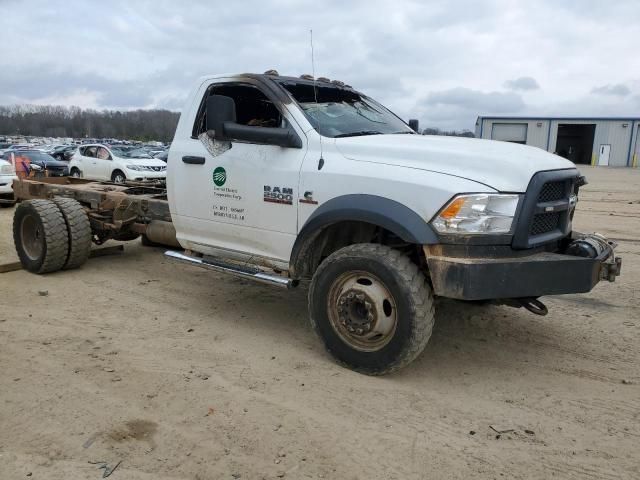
75	172
118	177
372	307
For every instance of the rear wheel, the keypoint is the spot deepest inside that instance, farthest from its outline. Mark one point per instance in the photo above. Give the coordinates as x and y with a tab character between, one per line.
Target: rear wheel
40	236
372	307
79	231
118	176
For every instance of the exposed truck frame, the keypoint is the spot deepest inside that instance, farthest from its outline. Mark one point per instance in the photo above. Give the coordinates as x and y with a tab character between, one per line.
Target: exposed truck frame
125	212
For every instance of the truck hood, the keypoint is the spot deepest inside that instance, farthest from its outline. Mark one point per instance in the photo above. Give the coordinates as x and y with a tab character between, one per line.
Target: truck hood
504	166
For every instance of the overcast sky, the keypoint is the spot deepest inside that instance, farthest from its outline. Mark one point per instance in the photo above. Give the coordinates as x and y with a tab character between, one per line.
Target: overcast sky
443	62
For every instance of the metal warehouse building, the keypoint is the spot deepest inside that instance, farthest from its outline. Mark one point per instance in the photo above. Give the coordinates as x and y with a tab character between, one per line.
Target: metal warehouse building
594	141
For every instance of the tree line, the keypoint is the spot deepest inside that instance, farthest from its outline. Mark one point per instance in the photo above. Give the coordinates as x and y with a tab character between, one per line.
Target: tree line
452	133
75	122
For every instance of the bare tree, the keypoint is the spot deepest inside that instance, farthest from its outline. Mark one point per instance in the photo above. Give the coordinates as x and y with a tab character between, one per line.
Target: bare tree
57	121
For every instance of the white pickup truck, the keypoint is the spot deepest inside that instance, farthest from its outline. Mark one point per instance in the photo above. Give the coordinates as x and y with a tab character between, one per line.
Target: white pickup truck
290	180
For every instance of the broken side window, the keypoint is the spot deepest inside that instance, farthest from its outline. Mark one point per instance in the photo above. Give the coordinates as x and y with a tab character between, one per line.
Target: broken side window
253	108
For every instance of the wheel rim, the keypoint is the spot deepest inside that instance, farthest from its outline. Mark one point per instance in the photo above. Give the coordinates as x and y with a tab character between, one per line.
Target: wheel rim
75	173
32	237
118	178
362	311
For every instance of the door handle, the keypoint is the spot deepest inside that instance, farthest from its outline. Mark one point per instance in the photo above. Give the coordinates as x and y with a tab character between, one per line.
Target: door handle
193	160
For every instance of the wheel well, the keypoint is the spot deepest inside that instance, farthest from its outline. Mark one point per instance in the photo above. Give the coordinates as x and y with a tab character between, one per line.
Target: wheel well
116	170
331	238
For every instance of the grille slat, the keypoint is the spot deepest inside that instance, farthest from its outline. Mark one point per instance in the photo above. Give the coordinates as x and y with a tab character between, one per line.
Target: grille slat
552	192
544	223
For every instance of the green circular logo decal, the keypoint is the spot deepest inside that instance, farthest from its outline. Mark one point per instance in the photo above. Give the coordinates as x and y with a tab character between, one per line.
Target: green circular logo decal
219	176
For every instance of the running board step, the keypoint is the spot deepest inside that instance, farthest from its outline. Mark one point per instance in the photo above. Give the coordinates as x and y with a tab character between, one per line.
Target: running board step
233	269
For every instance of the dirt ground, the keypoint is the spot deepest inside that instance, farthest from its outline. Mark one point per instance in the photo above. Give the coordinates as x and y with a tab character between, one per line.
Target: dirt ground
180	373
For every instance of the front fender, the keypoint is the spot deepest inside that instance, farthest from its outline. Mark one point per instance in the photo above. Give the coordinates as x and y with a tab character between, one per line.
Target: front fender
373	209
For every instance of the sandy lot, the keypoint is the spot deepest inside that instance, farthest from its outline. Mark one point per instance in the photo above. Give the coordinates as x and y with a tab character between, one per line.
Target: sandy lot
181	373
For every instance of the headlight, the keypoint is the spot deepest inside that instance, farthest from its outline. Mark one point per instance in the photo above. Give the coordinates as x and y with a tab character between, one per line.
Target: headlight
7	170
477	213
137	168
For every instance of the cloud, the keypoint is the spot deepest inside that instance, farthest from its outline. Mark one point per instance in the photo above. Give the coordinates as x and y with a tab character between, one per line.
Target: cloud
618	89
426	60
496	102
522	83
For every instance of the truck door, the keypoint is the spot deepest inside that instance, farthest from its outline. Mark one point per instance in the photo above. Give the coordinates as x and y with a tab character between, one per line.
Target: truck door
238	196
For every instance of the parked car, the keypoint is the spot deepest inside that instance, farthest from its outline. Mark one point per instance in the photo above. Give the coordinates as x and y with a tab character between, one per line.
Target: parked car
64	152
99	162
36	163
7	176
18	146
162	156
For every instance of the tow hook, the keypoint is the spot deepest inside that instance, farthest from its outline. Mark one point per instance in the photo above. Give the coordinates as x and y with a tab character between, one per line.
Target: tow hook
532	304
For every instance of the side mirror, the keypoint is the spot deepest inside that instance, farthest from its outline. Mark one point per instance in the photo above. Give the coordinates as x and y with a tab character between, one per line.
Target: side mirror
283	137
220	109
414	125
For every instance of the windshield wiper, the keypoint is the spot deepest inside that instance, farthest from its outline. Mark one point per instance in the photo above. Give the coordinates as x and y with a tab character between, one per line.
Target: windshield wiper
358	134
404	132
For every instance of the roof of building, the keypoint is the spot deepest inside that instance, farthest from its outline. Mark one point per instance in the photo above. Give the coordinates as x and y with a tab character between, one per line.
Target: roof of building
491	117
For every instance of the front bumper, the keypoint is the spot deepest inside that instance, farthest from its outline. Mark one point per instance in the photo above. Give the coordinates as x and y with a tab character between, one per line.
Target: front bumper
144	175
487	273
6	189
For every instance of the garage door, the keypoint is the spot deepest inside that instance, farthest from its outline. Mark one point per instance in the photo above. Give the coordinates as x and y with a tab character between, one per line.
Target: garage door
509	132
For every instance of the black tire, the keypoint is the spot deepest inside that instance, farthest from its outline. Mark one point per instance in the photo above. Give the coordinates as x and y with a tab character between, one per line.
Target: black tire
118	176
40	236
75	172
410	304
79	230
